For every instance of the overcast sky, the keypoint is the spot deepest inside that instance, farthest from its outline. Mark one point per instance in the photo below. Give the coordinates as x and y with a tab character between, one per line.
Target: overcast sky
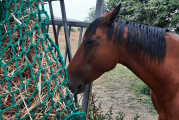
75	9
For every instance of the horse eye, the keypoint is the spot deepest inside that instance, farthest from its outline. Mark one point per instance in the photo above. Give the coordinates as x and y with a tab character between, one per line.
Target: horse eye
89	42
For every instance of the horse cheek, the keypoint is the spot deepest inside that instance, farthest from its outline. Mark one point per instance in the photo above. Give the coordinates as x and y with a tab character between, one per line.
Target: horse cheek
105	60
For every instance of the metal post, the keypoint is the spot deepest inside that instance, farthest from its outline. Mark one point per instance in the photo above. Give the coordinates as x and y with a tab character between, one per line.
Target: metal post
99	8
53	24
76	102
67	36
65	57
57	34
75	95
58	30
47	28
79	42
87	93
66	29
102	6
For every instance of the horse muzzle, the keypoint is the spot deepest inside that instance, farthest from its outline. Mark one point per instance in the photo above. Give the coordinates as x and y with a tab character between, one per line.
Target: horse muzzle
76	89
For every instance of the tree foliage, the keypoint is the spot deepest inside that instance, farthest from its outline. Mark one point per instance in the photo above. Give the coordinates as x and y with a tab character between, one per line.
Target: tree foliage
160	13
91	15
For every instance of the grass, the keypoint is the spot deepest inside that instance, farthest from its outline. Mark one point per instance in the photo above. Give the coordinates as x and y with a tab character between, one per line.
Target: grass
141	90
122	72
132	107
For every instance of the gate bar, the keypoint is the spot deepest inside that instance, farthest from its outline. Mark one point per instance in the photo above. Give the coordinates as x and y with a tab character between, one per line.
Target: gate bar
47	27
66	33
70	23
80	37
65	57
88	91
53	24
66	29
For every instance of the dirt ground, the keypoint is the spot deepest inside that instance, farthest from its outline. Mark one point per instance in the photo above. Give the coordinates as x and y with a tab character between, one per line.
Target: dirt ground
120	98
116	94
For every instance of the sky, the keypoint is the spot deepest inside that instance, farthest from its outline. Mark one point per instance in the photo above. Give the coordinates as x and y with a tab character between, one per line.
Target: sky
75	9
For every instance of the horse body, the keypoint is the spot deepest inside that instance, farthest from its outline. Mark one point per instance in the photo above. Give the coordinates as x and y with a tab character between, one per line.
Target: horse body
99	53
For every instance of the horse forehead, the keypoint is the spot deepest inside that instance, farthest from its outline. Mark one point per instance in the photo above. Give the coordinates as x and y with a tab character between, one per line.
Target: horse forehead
100	33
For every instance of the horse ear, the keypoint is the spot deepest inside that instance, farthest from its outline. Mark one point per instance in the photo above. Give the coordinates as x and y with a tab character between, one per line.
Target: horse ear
104	14
110	17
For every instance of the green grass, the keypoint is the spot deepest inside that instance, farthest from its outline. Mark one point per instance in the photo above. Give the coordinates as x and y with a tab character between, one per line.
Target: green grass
115	87
122	72
140	88
132	107
131	98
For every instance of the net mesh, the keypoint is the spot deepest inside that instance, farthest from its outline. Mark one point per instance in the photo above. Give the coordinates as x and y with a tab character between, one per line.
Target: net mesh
33	78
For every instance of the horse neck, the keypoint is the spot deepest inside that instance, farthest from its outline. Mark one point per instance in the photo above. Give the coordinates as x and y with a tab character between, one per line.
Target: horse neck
141	66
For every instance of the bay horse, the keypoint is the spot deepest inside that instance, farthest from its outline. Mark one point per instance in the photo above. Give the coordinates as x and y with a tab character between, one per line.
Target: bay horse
150	52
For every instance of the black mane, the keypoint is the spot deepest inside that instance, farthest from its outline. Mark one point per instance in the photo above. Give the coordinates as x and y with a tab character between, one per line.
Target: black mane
152	40
92	27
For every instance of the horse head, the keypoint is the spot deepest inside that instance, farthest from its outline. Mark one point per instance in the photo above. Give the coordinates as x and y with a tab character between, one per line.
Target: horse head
96	55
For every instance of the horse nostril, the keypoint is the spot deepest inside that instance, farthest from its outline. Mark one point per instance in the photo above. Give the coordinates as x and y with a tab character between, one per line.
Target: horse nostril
70	88
80	87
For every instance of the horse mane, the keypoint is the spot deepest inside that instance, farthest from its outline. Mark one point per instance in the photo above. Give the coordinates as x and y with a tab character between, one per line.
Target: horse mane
152	41
92	27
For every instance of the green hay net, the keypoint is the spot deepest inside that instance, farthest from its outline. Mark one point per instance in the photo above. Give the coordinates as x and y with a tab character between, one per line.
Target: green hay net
33	77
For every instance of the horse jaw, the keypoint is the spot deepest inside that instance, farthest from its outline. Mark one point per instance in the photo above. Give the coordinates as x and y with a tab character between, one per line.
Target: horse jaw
79	80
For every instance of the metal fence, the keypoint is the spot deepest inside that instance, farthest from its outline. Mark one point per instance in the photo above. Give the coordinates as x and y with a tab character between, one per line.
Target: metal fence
67	28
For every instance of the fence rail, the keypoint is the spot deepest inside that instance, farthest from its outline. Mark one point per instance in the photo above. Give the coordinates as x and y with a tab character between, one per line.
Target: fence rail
70	23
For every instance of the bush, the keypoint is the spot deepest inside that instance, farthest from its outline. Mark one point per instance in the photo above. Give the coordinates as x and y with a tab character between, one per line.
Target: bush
60	28
144	89
73	29
78	29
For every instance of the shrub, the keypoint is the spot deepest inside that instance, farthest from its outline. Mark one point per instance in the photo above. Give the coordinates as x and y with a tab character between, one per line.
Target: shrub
144	89
78	29
73	29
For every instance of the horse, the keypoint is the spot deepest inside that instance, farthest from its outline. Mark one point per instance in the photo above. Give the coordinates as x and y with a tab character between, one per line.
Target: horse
150	52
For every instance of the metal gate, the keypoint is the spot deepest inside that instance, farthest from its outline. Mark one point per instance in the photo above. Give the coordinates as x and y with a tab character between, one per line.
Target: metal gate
67	28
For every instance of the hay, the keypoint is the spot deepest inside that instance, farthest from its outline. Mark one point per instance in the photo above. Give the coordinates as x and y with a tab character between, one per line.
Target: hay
16	85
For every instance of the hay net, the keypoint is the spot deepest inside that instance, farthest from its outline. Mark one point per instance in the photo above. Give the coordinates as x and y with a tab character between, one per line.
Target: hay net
33	78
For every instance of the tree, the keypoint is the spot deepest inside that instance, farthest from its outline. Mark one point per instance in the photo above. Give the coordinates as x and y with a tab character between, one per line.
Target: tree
160	13
91	15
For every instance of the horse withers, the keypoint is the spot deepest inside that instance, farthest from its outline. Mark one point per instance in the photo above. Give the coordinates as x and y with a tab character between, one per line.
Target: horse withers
150	52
